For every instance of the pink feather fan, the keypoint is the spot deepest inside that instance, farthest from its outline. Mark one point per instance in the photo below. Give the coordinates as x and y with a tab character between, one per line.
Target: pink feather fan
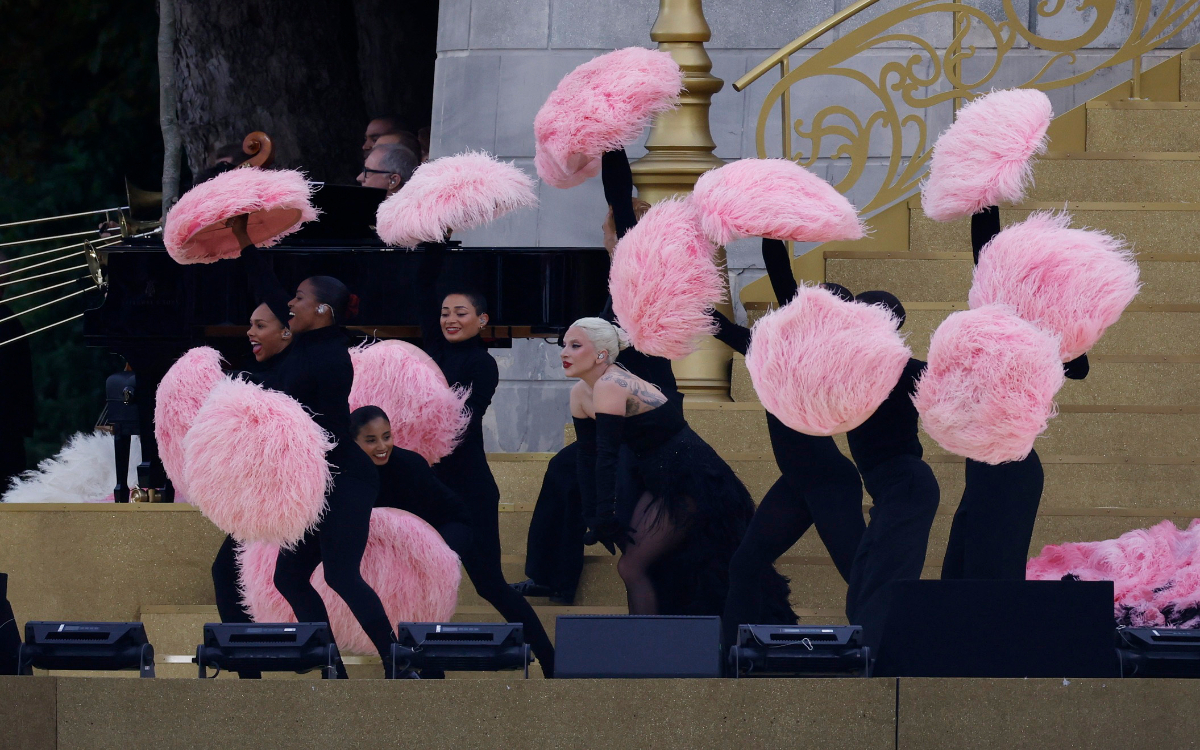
664	281
180	395
279	201
823	365
1155	573
774	198
602	105
989	389
406	562
254	464
986	157
1072	282
452	194
427	415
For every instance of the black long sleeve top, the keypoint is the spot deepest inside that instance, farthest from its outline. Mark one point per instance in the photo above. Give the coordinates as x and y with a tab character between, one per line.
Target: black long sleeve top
407	482
892	430
779	270
984	226
317	370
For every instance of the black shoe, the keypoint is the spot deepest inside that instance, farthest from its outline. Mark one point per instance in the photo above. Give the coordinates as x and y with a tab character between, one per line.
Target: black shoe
530	587
563	597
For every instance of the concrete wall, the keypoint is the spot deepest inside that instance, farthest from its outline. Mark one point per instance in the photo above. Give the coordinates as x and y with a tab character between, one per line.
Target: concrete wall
499	59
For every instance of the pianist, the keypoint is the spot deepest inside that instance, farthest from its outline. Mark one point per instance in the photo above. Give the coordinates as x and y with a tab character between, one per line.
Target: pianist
388	167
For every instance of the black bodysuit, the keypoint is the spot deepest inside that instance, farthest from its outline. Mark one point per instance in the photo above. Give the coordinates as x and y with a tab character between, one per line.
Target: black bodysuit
818	485
318	373
993	526
466	471
904	494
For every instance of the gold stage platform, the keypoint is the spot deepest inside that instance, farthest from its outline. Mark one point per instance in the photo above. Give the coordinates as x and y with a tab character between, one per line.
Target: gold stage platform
76	713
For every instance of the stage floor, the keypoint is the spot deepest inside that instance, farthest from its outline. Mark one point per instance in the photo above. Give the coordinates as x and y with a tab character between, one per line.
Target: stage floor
48	713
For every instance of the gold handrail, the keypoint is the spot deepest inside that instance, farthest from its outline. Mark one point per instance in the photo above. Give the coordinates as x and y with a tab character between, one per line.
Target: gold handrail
895	136
802	41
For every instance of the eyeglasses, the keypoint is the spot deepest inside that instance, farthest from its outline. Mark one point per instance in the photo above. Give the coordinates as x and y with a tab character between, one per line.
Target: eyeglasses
365	170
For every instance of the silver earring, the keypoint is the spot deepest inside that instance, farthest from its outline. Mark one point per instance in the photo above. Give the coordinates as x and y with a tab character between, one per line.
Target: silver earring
322	309
287	334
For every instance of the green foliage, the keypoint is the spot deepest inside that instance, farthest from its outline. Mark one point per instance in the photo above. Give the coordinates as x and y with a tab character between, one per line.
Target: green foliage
79	82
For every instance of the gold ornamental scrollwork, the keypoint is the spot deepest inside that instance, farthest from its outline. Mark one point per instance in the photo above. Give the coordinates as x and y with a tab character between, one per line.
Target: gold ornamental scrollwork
907	90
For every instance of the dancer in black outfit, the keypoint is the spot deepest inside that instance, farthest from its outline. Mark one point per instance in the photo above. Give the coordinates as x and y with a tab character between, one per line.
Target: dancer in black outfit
993	526
452	339
818	485
317	372
557	532
692	510
269	339
904	492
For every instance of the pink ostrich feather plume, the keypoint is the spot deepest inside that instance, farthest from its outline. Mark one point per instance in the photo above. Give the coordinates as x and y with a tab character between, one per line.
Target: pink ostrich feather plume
774	198
1155	572
602	105
986	157
427	415
415	574
278	201
664	281
180	395
254	464
1072	282
989	389
453	193
823	365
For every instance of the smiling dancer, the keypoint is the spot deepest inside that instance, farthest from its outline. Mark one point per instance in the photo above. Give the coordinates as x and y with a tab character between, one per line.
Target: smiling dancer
452	339
818	485
318	373
692	510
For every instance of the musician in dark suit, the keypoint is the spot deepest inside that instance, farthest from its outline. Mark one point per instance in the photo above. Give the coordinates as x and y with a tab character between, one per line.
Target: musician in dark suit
17	412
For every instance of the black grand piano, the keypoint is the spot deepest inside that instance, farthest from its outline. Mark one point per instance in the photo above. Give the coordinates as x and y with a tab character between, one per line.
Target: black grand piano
154	309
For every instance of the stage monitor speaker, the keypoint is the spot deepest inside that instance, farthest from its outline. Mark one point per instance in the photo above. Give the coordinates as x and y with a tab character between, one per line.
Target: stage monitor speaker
268	647
637	646
992	629
1159	652
800	650
461	646
91	646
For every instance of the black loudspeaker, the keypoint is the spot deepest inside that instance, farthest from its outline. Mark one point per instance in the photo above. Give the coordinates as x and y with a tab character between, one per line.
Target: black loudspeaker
461	647
86	646
1159	652
10	637
637	646
268	647
992	629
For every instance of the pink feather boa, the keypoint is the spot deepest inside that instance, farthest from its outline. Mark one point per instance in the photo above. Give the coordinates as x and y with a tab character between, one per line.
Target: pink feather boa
986	157
453	193
989	389
602	105
279	201
406	562
426	414
822	365
1155	572
664	281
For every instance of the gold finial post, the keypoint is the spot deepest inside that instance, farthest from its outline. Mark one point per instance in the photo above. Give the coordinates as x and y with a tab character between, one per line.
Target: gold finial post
680	149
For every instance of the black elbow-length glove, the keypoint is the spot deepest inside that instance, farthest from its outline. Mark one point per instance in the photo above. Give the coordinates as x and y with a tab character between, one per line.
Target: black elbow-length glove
599	447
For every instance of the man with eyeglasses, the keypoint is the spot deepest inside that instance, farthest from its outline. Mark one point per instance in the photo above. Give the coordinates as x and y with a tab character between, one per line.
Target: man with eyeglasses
388	167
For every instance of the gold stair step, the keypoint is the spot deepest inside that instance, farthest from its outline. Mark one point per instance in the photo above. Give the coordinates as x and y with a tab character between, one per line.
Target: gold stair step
1143	126
1128	176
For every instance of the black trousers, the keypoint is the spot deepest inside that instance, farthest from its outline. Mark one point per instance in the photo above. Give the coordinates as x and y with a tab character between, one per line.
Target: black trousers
906	497
993	525
339	542
482	562
10	637
225	575
554	546
826	493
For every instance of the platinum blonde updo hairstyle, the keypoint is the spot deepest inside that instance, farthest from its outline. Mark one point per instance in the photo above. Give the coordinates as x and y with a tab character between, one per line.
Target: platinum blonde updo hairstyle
605	336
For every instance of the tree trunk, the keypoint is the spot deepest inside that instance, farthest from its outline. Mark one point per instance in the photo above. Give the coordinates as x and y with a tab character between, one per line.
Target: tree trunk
287	68
168	104
397	47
